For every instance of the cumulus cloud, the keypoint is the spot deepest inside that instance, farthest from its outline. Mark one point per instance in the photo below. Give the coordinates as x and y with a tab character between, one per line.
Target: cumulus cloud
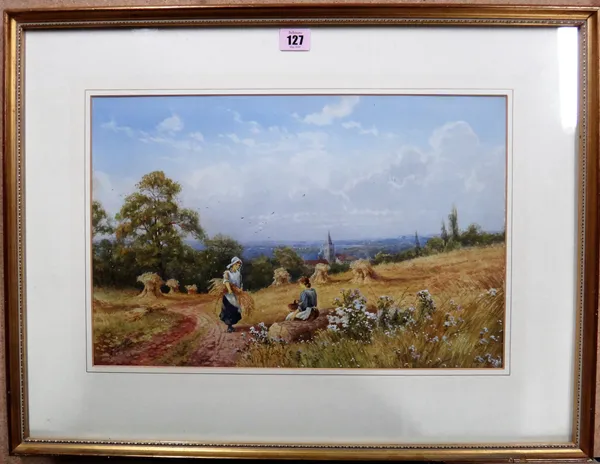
170	125
167	133
197	136
191	144
113	126
309	188
236	139
254	126
342	108
297	184
361	130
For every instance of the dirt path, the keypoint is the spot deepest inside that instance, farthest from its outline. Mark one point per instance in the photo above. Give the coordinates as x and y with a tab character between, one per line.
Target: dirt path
146	353
217	347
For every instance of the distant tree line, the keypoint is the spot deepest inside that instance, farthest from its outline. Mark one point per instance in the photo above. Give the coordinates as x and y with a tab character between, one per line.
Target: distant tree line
148	235
451	238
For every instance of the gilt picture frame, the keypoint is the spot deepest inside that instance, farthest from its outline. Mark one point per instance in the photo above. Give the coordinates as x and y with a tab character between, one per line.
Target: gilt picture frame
111	119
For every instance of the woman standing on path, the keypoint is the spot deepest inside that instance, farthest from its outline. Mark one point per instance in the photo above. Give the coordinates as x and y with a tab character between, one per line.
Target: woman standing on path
231	310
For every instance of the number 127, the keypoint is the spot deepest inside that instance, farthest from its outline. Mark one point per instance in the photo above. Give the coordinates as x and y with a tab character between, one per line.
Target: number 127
295	39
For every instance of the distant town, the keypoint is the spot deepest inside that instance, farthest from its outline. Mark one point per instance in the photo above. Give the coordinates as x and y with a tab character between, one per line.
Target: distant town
330	251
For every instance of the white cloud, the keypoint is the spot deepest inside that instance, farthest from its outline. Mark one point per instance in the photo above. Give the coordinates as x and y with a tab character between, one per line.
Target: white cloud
190	144
384	194
455	169
329	113
351	125
235	139
166	133
283	184
254	126
373	131
473	183
197	136
170	125
450	131
361	130
277	129
223	148
314	140
113	126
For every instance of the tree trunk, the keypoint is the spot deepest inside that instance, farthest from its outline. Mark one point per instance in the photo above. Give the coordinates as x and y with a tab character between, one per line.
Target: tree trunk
295	331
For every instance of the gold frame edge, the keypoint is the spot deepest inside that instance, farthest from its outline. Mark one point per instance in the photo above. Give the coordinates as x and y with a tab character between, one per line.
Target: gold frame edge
16	21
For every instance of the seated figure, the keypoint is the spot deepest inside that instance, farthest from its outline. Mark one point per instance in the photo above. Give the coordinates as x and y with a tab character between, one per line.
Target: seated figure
306	308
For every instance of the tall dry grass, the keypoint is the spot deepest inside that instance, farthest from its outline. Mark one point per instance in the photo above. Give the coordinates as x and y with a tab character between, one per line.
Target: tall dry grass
452	272
464	331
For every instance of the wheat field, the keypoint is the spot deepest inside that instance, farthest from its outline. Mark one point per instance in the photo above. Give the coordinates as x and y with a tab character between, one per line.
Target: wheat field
460	273
465	331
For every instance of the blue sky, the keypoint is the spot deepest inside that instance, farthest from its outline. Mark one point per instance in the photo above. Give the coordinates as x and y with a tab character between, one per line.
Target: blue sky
293	167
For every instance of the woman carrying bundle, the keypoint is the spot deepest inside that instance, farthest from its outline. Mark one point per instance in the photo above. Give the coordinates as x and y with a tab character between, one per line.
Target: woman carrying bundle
231	309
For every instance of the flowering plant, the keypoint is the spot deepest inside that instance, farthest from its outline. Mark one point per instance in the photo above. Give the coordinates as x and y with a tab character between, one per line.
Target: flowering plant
390	315
259	334
425	304
489	361
351	318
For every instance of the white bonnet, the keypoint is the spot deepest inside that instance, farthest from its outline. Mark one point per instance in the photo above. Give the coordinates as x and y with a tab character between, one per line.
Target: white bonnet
234	260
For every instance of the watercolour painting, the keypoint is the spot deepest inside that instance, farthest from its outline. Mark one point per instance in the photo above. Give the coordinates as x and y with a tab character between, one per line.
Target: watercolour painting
299	231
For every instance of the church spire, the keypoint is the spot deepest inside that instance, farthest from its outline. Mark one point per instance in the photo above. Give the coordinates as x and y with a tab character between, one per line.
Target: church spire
329	249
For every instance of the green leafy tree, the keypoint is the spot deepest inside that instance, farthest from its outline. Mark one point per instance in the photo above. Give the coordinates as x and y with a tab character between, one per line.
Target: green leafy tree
185	265
103	259
114	265
258	273
382	257
405	255
106	268
288	258
338	268
472	236
153	225
453	223
452	245
218	253
101	224
435	245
